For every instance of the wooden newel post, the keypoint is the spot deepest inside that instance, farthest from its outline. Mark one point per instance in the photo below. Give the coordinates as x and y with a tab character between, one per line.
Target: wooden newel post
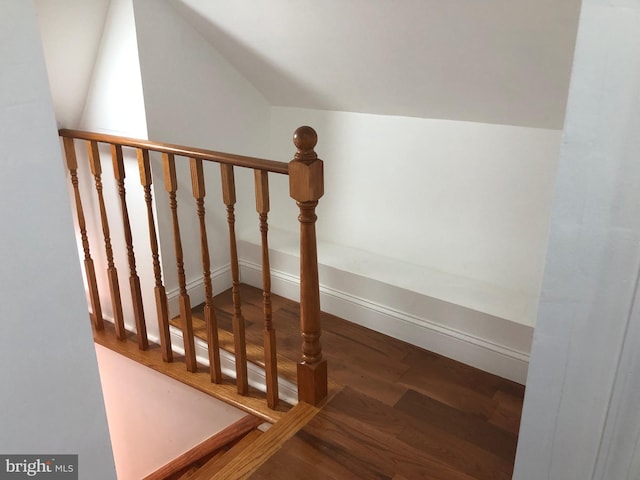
306	186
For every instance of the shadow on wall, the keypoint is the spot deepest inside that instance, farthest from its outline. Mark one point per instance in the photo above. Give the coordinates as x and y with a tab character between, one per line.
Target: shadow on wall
248	62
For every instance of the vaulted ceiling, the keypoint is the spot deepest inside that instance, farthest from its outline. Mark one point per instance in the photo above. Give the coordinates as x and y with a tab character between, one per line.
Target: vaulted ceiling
492	61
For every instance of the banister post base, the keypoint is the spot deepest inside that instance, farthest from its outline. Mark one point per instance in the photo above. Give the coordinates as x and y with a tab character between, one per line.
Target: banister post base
312	382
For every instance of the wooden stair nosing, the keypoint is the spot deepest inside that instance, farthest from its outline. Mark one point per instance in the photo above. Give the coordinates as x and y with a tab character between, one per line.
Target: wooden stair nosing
189	475
210	445
248	461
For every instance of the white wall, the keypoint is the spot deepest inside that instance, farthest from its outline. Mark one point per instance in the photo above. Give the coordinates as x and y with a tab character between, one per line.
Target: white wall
115	105
51	398
71	32
232	116
580	418
193	96
454	212
472	200
153	418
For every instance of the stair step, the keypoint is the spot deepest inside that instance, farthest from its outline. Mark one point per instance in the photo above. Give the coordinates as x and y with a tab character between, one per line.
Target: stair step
287	368
250	459
253	403
202	453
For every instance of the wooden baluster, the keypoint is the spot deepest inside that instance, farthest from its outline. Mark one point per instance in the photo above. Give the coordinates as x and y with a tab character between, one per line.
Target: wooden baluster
229	199
112	272
270	357
171	184
306	186
94	297
134	280
197	182
159	290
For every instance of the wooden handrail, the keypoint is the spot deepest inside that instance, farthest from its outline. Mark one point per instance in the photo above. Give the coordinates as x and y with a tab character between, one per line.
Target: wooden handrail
306	188
209	155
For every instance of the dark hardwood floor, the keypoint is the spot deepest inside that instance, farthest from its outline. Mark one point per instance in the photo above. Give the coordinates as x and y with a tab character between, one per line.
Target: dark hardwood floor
399	412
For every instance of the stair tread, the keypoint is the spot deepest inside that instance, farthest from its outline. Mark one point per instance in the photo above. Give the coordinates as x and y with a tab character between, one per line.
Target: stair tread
248	461
287	368
183	465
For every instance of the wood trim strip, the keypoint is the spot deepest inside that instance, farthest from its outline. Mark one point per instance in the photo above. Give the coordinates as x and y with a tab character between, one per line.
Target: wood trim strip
264	447
213	466
213	443
209	155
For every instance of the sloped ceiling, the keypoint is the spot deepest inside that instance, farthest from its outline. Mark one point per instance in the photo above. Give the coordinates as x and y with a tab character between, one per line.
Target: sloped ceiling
71	31
491	61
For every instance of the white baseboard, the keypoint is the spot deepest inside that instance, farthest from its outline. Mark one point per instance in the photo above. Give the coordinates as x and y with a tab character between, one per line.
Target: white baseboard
489	343
220	280
481	340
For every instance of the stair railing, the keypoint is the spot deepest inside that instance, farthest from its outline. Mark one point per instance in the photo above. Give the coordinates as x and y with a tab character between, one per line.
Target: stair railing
306	187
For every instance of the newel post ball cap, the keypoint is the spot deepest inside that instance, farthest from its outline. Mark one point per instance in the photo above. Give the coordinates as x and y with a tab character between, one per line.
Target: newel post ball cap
305	139
306	179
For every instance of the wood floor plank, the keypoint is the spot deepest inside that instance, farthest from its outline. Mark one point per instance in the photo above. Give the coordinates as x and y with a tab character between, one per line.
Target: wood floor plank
430	380
352	404
299	460
453	450
461	424
369	453
265	446
405	413
507	413
387	346
455	372
456	452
